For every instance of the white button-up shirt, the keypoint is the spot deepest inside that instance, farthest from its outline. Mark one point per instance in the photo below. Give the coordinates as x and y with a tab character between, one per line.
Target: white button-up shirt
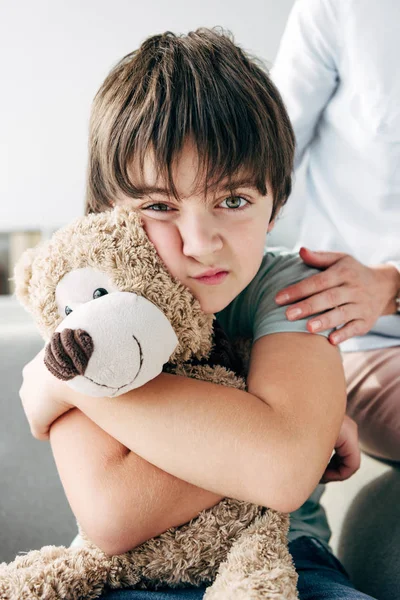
338	72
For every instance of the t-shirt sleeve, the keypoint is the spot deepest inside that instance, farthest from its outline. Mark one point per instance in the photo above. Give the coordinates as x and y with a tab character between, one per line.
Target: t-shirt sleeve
281	271
254	312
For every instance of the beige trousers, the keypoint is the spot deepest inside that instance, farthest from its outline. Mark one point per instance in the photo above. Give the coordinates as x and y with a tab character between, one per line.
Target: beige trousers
373	399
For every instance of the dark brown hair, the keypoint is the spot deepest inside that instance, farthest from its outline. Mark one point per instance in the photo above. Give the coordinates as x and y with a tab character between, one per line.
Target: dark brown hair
199	86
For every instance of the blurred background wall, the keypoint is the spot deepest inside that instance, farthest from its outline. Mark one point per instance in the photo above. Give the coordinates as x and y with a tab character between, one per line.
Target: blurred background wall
54	54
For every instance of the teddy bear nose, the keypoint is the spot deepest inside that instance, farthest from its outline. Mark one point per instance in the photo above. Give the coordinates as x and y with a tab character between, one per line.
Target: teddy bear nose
68	353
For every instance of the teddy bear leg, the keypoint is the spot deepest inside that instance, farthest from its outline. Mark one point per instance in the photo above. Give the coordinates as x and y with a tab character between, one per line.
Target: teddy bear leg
259	565
54	574
34	558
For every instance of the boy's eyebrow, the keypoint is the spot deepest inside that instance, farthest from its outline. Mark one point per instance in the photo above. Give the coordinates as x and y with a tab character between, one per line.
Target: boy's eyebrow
151	189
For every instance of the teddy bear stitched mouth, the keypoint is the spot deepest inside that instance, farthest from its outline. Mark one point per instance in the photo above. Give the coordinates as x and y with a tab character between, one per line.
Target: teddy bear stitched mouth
129	382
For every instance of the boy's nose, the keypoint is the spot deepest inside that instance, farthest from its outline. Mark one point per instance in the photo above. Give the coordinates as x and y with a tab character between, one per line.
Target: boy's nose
200	238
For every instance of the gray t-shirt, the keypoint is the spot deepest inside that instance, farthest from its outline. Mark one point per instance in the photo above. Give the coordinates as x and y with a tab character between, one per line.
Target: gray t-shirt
254	313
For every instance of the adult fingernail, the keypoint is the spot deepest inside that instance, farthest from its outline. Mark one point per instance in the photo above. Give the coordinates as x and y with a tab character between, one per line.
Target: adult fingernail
293	313
282	298
315	325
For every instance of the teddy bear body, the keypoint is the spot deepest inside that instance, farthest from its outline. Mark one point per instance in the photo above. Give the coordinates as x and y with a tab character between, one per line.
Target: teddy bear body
98	279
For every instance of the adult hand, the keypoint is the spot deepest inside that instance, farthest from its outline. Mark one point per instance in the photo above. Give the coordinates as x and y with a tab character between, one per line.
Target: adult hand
44	397
350	295
347	457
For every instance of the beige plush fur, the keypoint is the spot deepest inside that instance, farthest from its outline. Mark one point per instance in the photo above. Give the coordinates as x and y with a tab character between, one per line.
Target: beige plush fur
238	549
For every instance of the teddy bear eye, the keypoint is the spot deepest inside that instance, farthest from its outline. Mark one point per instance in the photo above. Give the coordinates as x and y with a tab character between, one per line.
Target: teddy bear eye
68	310
99	292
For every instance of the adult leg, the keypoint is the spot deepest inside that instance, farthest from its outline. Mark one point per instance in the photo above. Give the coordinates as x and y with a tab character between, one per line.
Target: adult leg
373	388
321	576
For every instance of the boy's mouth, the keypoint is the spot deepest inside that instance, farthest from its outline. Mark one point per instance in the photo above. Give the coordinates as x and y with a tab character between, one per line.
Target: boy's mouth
212	276
209	273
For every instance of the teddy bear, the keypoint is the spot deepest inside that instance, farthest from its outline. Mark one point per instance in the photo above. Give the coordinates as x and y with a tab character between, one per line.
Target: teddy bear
113	318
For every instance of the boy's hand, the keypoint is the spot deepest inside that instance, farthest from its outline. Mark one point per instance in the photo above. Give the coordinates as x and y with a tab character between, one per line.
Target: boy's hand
43	397
346	459
351	295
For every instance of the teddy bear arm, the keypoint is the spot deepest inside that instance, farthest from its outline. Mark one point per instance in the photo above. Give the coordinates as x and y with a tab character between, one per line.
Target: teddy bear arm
258	564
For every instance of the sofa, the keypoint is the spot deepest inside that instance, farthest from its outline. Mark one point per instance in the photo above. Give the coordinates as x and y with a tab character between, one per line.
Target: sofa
364	511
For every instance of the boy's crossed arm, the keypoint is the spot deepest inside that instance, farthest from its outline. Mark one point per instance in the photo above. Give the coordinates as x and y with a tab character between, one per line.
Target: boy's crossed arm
119	499
269	446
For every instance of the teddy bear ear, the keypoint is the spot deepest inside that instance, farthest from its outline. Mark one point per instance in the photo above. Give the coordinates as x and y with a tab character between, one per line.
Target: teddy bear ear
23	275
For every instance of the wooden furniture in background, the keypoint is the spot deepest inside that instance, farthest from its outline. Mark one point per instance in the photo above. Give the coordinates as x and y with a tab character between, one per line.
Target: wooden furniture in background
18	243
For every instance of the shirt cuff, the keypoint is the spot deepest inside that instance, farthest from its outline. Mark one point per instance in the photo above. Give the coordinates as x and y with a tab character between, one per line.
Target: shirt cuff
395	263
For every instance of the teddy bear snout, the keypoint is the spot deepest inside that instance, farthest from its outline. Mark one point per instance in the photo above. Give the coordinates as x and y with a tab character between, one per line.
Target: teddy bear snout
68	353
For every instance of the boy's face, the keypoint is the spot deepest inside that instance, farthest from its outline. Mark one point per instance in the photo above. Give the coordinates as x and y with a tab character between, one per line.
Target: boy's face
214	244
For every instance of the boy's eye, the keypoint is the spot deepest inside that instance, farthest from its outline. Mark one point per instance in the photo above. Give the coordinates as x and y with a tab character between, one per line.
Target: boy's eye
234	202
68	310
99	292
158	206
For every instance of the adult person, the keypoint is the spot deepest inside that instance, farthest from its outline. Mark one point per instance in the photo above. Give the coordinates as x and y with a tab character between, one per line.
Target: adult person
337	74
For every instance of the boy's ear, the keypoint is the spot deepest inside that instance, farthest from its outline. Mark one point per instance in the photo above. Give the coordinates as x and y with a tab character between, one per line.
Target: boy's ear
271	225
23	275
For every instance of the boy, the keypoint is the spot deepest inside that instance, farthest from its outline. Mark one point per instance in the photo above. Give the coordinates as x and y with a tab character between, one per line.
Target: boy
192	133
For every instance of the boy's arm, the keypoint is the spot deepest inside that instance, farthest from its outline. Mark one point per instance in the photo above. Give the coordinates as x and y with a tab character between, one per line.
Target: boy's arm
119	499
252	446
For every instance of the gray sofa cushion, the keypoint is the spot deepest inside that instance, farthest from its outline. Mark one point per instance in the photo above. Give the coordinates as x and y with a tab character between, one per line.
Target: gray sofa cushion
33	509
369	544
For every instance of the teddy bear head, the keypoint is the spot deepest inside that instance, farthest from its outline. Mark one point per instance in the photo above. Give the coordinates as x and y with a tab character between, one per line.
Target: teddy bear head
110	312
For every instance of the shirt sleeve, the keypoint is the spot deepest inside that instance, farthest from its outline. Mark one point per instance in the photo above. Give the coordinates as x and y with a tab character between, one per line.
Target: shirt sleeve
395	263
306	68
279	271
254	313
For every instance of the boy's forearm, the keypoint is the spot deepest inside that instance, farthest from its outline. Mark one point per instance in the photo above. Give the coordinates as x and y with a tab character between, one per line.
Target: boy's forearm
248	453
234	443
119	499
163	501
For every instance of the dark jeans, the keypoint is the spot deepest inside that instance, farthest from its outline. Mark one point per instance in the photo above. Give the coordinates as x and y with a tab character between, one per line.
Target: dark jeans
321	577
